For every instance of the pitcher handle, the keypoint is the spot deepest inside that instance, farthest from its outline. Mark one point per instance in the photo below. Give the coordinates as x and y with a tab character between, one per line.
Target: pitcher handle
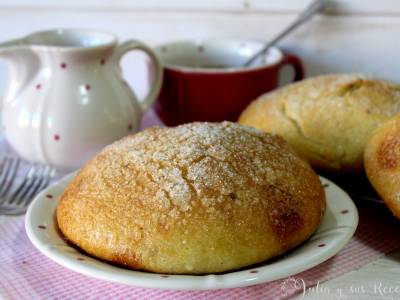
130	45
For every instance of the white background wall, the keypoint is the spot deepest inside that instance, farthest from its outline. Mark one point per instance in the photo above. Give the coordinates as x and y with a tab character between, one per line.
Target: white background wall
352	36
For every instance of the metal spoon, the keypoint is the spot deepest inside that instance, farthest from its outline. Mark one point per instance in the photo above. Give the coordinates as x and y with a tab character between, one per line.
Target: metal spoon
311	10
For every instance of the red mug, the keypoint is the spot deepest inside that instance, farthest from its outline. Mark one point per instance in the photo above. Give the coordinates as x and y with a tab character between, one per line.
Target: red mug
205	81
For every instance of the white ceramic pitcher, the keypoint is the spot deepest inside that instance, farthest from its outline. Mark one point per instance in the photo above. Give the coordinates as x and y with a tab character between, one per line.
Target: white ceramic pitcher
66	98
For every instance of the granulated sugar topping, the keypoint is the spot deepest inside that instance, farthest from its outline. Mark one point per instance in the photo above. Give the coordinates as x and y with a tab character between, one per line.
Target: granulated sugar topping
207	163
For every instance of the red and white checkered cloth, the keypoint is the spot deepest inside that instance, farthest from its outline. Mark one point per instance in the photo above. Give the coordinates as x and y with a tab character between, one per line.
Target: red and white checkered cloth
27	274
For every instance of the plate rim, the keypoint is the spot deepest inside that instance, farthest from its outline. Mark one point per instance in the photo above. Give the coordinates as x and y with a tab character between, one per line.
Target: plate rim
197	282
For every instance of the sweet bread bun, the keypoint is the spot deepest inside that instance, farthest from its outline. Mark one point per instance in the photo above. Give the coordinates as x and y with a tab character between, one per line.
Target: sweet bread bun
382	163
327	119
194	199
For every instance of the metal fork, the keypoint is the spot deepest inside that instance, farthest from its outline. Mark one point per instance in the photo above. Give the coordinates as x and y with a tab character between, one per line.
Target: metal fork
15	201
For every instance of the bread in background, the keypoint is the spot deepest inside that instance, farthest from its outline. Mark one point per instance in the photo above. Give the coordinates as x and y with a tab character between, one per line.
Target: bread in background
195	199
327	119
382	163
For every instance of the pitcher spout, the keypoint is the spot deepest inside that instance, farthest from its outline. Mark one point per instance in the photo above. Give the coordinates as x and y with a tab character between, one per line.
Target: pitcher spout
11	45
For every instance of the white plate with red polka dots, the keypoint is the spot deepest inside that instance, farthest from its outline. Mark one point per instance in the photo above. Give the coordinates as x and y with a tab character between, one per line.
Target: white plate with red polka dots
337	228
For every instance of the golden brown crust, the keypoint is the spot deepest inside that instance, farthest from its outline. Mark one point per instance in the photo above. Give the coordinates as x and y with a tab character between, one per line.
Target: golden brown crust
382	163
197	198
327	119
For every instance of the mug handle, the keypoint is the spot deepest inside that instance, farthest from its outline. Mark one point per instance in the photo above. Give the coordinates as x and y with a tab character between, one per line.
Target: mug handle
130	45
295	62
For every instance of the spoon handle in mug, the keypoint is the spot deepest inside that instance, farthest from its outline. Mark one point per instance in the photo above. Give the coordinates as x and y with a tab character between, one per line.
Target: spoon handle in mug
158	71
312	9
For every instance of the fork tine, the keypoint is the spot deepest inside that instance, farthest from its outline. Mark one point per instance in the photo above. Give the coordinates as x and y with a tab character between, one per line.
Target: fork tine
4	172
2	164
22	187
30	184
14	165
50	172
35	186
37	178
9	171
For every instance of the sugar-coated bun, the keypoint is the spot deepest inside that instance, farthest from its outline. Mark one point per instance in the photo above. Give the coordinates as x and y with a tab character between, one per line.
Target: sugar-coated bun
327	119
195	199
382	163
